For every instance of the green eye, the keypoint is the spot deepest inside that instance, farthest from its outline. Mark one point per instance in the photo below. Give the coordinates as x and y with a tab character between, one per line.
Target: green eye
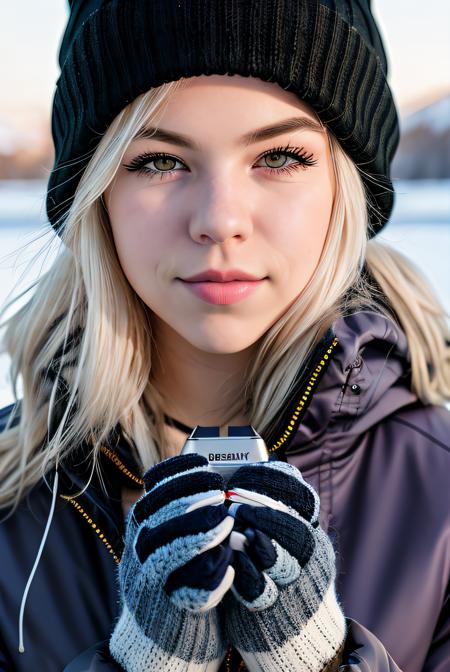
164	164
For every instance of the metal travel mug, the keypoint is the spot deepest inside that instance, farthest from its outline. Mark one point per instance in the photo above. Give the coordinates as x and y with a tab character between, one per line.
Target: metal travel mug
243	445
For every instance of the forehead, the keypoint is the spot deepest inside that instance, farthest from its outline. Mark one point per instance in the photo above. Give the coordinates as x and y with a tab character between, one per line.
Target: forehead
245	109
238	92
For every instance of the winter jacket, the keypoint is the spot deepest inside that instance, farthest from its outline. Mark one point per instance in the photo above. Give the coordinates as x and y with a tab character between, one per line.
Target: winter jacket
380	462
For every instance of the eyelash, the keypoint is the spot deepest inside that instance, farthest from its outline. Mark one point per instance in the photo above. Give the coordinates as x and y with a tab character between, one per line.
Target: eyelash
304	160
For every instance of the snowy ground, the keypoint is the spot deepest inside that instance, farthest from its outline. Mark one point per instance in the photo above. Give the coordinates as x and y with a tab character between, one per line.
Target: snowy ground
420	227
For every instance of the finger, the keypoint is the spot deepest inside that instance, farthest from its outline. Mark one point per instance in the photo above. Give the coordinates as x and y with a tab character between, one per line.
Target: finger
190	486
249	581
294	535
261	551
201	601
242	496
251	587
280	482
237	541
286	568
259	548
221	533
216	595
173	466
205	500
196	524
269	557
204	572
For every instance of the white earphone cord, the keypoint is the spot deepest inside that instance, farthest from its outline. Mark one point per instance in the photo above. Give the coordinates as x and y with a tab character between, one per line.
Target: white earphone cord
50	515
36	562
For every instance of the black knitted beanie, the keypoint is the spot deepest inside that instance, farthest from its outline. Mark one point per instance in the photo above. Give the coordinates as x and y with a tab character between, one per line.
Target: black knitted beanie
328	52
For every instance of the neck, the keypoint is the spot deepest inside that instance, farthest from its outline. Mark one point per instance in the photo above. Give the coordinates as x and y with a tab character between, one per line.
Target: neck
198	387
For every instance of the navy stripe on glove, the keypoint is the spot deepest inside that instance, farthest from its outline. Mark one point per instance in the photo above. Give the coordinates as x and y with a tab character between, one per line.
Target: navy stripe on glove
175	569
283	612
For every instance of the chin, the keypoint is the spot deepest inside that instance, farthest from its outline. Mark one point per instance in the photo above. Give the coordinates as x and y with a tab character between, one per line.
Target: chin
225	341
221	346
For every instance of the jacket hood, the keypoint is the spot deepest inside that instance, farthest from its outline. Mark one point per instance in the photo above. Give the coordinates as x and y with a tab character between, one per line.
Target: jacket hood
367	379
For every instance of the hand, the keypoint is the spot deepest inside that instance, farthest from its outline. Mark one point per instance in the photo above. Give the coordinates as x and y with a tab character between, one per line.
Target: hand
282	613
175	569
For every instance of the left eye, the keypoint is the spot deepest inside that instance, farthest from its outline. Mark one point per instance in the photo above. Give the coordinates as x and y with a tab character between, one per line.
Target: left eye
165	163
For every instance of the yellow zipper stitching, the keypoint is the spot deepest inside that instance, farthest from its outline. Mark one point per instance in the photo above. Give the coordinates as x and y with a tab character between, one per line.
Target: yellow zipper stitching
93	525
305	396
228	659
113	457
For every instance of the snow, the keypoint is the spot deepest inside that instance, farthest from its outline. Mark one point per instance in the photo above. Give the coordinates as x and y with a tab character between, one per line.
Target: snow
22	200
421	201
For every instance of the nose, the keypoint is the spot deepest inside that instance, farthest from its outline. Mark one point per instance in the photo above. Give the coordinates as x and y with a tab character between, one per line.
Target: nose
220	214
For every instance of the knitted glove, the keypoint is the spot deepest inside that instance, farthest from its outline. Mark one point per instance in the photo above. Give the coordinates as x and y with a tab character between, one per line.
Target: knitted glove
282	612
175	569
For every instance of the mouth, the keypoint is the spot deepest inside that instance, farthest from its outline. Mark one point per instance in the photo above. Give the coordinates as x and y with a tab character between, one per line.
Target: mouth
223	292
230	275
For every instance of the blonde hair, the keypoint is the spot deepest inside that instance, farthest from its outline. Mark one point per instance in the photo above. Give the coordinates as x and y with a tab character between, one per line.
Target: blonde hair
83	341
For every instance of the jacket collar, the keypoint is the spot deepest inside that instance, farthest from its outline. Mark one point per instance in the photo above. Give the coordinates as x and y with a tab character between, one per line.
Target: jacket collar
368	379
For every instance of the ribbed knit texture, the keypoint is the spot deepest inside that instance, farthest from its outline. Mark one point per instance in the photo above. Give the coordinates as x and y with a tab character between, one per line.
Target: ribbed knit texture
303	629
168	528
329	53
292	620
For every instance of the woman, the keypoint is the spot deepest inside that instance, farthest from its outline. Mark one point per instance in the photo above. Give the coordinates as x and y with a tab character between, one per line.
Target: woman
219	268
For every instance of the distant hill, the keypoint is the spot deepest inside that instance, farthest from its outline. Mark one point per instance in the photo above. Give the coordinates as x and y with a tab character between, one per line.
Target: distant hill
424	149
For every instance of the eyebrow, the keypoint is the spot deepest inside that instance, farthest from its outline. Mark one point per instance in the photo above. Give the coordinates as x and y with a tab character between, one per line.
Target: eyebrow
250	138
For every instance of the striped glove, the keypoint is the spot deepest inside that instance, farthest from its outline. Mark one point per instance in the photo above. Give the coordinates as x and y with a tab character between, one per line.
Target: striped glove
175	569
282	612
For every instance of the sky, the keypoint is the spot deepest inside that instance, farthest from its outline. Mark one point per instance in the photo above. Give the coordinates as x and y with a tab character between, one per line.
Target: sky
416	35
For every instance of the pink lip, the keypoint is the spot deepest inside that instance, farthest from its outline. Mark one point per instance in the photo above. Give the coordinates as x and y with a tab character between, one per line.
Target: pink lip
212	275
221	293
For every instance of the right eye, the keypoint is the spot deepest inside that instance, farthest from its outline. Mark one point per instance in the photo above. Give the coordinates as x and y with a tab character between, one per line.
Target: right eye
164	164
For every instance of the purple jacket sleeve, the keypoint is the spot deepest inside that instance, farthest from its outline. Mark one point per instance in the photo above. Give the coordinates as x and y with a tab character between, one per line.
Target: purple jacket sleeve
438	658
363	652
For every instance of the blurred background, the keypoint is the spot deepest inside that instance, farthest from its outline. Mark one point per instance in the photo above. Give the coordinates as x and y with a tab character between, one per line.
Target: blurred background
417	40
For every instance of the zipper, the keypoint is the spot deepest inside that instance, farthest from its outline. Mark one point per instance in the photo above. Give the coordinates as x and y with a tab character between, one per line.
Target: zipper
228	659
306	396
228	662
113	457
93	525
120	465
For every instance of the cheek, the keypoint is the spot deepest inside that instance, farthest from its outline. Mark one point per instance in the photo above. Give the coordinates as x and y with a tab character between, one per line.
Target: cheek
301	226
140	240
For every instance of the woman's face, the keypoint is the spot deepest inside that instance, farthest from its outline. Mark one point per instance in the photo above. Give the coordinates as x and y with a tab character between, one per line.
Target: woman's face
219	200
